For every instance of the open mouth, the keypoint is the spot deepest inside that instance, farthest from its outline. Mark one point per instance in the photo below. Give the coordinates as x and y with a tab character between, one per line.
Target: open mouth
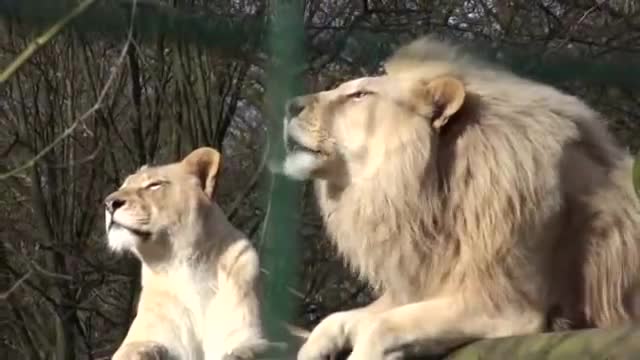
137	232
292	145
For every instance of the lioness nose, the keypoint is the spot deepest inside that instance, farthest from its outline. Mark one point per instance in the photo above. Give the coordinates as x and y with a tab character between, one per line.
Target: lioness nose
113	203
294	106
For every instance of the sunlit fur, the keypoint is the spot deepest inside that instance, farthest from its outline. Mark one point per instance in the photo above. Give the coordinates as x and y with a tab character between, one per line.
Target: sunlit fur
521	203
199	273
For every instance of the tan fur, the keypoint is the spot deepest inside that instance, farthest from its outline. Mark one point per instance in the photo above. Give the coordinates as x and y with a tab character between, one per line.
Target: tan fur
475	201
199	273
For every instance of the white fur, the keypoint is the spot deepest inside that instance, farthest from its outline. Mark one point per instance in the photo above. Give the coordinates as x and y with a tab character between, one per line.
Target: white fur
119	238
300	164
199	273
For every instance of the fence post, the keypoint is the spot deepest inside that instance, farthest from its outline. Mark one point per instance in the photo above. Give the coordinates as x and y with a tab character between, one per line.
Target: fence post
279	251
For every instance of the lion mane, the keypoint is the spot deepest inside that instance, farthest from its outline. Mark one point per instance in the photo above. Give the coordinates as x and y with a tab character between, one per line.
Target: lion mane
519	199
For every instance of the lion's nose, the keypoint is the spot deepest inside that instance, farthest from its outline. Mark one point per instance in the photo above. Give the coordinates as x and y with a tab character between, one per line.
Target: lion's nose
113	203
294	106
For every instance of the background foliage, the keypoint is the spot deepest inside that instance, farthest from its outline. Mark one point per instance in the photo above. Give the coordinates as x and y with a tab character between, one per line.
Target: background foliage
195	74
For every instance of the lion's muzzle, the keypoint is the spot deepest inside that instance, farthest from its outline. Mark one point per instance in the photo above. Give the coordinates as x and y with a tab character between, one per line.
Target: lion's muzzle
295	106
113	202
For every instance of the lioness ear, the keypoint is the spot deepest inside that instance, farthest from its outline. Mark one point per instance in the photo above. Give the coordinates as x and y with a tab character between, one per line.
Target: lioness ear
204	163
447	95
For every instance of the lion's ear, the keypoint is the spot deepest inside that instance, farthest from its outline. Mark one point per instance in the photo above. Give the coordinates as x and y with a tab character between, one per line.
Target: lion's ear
204	163
447	96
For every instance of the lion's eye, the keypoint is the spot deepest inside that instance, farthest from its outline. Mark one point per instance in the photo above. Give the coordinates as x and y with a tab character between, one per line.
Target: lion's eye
359	94
154	185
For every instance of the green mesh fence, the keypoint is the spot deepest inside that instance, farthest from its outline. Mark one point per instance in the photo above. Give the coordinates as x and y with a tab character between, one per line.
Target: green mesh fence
242	37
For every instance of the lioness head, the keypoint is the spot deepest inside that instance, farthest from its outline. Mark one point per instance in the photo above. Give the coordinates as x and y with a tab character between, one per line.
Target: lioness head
160	205
347	133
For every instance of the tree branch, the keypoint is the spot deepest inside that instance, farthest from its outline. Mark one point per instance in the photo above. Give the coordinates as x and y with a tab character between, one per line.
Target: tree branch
41	40
80	120
16	285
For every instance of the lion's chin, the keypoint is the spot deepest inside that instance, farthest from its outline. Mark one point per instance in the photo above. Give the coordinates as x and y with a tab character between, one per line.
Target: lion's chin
121	239
300	165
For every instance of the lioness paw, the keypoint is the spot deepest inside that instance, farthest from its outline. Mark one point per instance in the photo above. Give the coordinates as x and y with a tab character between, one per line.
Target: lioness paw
146	350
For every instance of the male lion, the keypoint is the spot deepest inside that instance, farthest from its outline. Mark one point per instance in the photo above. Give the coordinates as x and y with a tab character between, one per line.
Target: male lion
199	273
477	202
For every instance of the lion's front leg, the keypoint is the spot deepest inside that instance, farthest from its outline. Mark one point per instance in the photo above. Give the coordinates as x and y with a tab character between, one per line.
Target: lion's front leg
339	330
142	350
436	326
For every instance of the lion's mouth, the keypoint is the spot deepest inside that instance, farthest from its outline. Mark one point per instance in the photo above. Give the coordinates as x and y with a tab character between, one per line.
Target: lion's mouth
137	232
294	145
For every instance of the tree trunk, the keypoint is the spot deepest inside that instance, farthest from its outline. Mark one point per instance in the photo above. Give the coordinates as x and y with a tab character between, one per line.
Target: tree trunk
615	343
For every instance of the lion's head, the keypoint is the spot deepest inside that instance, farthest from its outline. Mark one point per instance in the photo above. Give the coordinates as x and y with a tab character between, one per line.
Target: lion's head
162	209
417	165
344	134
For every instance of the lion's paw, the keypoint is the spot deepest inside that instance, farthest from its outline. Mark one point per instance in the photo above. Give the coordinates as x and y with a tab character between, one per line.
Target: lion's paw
329	337
376	342
146	350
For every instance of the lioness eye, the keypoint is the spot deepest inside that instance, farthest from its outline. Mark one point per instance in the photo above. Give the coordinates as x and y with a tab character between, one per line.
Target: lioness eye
359	94
154	185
